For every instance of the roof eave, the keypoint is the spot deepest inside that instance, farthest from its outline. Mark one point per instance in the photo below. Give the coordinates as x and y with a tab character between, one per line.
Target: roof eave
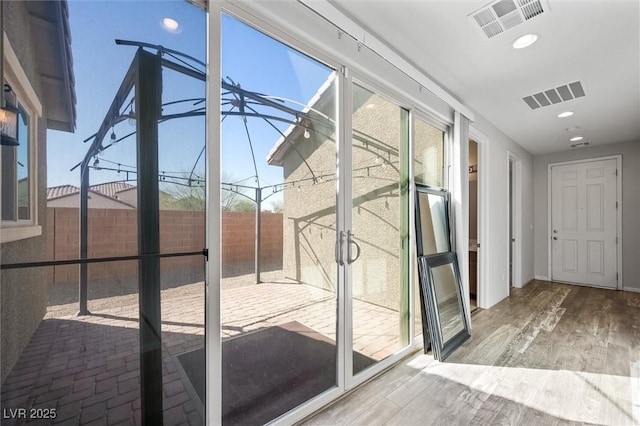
52	40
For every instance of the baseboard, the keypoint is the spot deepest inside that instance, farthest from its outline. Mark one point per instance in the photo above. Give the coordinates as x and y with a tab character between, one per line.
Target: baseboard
631	289
528	281
541	277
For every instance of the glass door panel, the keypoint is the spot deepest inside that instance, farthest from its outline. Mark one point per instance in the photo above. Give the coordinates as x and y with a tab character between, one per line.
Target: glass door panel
279	274
379	220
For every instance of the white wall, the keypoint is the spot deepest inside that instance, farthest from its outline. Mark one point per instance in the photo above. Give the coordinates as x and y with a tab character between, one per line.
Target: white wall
493	254
630	152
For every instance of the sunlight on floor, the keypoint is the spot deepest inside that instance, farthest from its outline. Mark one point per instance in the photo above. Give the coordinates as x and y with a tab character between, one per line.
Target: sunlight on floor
569	395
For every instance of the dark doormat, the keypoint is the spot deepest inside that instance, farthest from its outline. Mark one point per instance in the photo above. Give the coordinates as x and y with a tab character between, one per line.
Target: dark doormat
270	371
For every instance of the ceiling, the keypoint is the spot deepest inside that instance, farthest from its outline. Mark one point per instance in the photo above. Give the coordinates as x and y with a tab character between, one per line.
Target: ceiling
596	42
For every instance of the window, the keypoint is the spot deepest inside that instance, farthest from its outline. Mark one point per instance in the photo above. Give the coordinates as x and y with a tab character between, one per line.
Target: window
16	182
18	164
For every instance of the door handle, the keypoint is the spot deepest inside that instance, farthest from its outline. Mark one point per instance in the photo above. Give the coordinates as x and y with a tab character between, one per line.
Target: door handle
555	231
338	251
351	243
555	238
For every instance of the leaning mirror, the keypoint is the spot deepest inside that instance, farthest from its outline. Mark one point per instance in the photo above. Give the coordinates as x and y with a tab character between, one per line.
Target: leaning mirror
432	221
444	320
441	290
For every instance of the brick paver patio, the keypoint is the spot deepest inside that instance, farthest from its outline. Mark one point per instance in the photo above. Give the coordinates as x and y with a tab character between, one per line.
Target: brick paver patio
87	368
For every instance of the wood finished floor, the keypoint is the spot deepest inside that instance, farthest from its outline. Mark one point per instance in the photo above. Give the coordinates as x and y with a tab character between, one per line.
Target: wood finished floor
549	354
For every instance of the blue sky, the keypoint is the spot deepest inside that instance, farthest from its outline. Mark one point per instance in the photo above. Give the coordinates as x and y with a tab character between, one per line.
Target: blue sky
255	61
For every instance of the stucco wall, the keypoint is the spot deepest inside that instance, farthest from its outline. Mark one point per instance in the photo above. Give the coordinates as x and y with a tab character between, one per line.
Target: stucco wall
630	152
310	215
23	296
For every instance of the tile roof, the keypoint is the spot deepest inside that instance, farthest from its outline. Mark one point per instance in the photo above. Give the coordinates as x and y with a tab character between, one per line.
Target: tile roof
108	190
112	188
61	191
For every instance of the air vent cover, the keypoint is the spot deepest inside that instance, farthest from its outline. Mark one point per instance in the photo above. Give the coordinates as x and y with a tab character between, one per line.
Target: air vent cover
579	145
499	16
555	96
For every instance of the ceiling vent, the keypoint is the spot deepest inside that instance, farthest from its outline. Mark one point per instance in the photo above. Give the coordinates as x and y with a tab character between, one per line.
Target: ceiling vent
579	145
555	96
499	16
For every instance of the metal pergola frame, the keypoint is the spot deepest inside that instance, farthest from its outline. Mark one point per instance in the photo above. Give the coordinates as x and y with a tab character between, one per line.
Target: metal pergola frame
144	77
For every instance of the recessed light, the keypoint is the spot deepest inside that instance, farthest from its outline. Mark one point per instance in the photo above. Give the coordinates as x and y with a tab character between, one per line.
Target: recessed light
170	24
524	41
576	138
565	114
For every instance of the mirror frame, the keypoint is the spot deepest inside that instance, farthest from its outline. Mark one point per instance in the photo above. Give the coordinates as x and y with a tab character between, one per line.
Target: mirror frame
441	350
425	189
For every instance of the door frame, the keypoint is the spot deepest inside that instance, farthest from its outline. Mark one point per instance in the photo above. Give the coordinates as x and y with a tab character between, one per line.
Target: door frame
483	212
618	159
515	219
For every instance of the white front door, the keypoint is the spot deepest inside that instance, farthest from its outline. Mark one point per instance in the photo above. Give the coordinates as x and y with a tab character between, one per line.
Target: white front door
584	223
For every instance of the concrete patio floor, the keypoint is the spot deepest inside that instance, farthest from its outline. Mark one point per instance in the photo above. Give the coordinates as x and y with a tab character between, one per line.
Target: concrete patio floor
87	368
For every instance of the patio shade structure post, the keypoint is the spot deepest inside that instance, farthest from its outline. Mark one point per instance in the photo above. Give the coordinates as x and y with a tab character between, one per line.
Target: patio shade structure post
148	105
84	237
257	231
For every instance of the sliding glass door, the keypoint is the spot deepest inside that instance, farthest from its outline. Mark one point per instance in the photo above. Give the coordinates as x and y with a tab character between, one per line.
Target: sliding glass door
315	294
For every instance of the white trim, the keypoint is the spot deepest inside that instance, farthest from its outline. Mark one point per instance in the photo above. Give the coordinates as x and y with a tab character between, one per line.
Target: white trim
343	129
541	277
549	226
516	212
346	24
345	205
412	226
15	233
631	289
20	82
483	236
213	234
618	158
